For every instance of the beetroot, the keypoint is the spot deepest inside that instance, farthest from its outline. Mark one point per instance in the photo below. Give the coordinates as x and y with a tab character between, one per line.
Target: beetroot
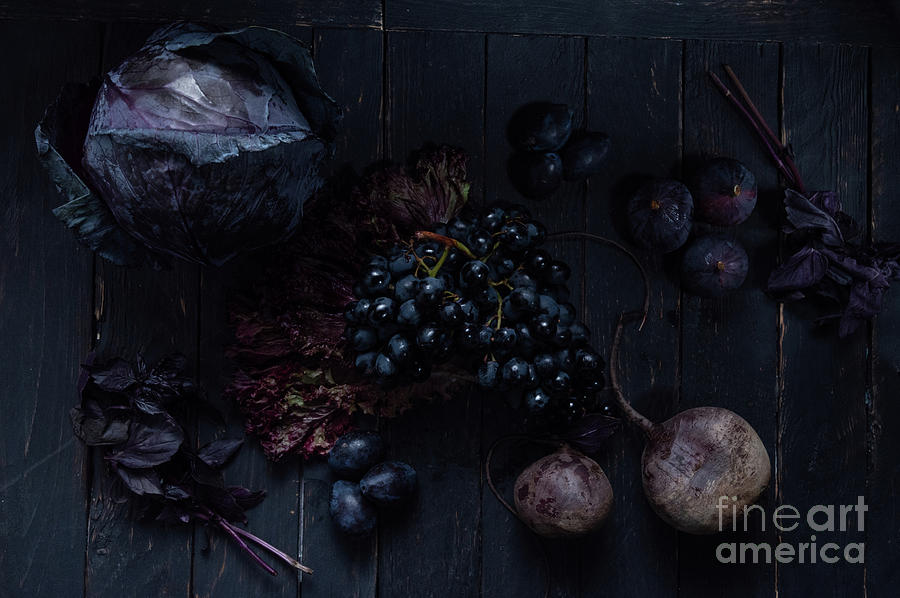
713	266
724	192
660	215
694	458
565	494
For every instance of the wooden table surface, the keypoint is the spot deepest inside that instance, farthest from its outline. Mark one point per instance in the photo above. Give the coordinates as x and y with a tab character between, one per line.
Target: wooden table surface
409	72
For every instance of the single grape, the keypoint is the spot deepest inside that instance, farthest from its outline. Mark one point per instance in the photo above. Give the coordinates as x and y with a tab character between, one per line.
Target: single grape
474	274
451	314
431	291
402	264
488	375
515	371
406	288
503	341
493	218
566	313
365	362
580	334
399	349
480	242
382	311
521	279
537	401
363	339
558	273
376	279
546	365
409	314
538	263
428	338
543	327
385	366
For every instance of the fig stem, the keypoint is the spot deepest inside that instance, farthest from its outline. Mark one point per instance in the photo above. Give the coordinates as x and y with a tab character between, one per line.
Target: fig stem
645	308
630	412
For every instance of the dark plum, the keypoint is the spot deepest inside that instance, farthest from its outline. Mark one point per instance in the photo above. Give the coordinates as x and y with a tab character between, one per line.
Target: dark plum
660	215
350	512
536	175
540	127
584	155
355	453
713	266
724	192
389	484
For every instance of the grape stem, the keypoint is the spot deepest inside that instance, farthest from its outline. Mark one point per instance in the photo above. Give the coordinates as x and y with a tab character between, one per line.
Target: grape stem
437	267
499	307
445	241
567	235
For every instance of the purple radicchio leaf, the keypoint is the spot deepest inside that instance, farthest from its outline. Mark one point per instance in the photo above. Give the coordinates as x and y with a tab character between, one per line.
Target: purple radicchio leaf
218	452
152	441
806	217
802	270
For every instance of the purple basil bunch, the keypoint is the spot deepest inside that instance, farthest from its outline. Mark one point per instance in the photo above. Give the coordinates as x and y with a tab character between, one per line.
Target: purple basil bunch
202	145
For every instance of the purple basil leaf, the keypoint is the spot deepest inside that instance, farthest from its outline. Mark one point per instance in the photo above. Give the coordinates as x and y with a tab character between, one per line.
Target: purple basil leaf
218	452
146	402
94	428
172	513
827	201
142	481
175	492
803	269
804	216
152	441
223	503
114	376
206	475
245	498
588	433
170	366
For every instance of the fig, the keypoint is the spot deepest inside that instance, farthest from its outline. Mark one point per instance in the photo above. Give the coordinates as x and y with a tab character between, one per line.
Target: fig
540	127
355	453
536	175
350	512
724	192
584	155
660	215
713	266
389	484
563	495
695	460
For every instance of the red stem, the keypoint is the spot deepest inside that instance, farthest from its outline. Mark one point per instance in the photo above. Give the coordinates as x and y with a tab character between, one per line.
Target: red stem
778	153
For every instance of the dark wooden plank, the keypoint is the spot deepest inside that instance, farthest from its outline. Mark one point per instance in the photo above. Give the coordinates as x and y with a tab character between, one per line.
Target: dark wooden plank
338	13
350	67
524	69
731	342
862	22
822	430
220	567
634	95
883	519
45	319
155	313
435	94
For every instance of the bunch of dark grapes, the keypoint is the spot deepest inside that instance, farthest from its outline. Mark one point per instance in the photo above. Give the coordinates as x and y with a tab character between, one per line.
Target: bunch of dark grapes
480	290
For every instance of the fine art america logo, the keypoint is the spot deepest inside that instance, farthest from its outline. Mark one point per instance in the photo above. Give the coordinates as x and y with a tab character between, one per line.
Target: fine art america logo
786	518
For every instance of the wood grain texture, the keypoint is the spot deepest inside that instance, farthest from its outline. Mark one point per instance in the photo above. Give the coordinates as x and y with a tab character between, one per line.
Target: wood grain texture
338	13
153	313
634	95
45	321
883	520
350	68
822	431
220	567
861	22
432	549
523	69
731	342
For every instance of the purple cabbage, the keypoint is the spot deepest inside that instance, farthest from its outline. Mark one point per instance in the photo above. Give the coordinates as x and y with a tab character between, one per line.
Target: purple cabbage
202	145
